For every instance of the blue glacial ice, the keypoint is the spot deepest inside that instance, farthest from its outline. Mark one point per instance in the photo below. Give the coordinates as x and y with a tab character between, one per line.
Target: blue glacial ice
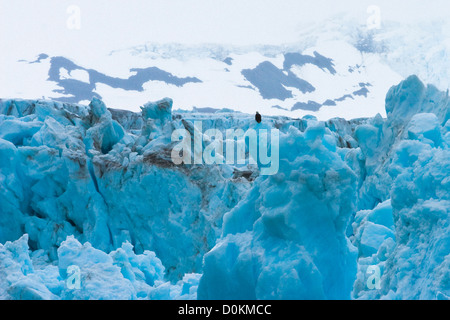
96	189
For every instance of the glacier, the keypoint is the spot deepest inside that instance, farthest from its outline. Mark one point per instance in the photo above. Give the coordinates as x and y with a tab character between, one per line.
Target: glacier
95	188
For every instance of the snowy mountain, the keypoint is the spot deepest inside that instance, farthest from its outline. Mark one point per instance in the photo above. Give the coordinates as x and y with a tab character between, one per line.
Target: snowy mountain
291	83
337	69
358	209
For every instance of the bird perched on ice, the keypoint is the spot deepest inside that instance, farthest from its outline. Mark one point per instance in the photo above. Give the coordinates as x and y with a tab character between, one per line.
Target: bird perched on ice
258	117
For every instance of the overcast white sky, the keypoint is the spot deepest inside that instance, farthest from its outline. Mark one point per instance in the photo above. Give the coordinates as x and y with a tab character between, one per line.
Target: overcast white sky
40	25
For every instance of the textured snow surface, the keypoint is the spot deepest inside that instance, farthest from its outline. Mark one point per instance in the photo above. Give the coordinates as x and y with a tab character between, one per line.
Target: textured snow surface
95	188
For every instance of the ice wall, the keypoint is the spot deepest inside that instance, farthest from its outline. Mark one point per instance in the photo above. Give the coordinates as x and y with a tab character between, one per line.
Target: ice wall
96	188
286	240
408	235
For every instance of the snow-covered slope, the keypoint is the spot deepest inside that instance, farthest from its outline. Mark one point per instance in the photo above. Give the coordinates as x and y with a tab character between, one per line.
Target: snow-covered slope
96	188
333	79
338	68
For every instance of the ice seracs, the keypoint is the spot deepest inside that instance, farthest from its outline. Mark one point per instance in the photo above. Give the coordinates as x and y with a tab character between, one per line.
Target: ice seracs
88	186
